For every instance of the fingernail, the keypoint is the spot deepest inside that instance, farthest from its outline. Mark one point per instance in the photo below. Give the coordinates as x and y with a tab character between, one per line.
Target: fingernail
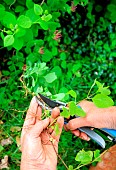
88	139
60	118
33	100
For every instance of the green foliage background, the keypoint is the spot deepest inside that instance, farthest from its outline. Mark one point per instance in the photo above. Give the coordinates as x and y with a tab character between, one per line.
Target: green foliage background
34	59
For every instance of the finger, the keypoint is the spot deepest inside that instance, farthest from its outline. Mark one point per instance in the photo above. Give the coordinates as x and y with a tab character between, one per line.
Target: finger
60	122
50	130
39	127
65	128
33	107
80	135
30	117
38	113
55	113
84	136
76	132
76	123
31	112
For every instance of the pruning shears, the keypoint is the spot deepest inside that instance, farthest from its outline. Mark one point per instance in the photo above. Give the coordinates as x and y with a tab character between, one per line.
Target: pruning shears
49	104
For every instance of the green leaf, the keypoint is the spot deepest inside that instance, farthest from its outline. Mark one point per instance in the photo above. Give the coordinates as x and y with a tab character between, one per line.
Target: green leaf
80	112
46	17
99	85
8	40
104	90
6	73
70	167
9	19
1	148
24	21
54	51
59	96
97	155
9	2
31	14
57	71
43	24
28	37
33	82
72	108
65	113
75	110
84	157
56	129
63	56
72	93
2	7
101	89
2	12
38	9
29	4
20	32
20	65
18	43
99	43
113	54
98	8
102	101
111	7
50	77
47	56
64	64
53	25
19	8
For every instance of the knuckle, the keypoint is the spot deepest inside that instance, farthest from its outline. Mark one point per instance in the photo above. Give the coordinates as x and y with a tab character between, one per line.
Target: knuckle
71	124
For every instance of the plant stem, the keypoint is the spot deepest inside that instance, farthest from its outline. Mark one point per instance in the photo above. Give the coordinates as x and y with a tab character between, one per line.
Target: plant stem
91	89
12	4
53	122
60	157
42	2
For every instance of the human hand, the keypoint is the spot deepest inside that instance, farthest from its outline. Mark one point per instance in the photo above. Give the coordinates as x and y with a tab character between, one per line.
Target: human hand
38	151
95	117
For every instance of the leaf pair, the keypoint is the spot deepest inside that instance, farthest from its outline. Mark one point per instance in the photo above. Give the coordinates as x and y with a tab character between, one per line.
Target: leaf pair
86	157
72	110
101	99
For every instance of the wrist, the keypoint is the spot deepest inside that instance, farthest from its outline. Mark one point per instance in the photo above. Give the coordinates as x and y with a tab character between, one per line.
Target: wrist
25	166
113	113
34	164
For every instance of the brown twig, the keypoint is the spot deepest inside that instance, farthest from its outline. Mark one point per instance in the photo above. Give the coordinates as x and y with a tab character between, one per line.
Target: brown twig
24	86
59	155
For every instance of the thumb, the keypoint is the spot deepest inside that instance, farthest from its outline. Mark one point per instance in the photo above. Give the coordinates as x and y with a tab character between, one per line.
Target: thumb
39	127
76	123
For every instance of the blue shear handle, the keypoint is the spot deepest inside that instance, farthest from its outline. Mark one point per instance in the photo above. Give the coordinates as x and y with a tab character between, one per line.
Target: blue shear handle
111	132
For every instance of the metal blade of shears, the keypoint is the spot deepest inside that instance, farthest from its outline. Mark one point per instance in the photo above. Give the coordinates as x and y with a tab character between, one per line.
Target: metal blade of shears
51	103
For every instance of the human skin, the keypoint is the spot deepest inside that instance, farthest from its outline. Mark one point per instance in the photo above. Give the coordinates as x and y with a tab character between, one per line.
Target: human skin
39	144
95	117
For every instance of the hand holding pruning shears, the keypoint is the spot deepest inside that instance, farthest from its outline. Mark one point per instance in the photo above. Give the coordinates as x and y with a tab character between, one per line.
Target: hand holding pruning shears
102	118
